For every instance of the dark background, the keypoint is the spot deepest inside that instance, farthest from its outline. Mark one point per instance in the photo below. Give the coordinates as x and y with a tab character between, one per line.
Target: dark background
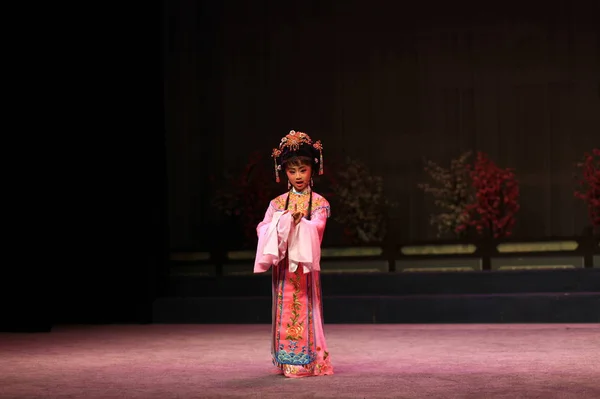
387	83
170	94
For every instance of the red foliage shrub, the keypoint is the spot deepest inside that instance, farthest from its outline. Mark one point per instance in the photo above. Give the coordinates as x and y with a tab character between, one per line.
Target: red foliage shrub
247	194
589	183
496	199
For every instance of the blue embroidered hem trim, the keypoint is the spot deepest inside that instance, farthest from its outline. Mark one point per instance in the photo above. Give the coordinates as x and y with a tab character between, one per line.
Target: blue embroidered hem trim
296	359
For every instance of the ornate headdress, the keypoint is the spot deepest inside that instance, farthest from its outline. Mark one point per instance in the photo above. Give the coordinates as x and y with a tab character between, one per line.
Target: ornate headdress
297	144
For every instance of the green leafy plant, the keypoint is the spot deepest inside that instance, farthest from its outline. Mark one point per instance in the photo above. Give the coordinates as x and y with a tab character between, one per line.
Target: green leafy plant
452	191
360	204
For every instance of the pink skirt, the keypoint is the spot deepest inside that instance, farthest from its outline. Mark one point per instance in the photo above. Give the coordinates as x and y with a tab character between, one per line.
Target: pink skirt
299	348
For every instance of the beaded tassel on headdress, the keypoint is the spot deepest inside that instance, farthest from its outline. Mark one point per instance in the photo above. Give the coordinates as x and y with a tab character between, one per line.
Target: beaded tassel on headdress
275	154
319	147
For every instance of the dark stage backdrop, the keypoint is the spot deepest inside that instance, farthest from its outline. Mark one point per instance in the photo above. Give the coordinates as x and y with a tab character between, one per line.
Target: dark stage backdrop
389	84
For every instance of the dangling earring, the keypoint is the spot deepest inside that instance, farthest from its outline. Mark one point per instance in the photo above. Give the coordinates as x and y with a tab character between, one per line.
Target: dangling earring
289	185
311	182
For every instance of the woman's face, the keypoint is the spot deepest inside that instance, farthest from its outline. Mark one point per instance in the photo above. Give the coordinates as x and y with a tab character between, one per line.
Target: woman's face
299	176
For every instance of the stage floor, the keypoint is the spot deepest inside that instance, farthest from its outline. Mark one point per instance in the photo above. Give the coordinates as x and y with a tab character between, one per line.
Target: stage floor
371	361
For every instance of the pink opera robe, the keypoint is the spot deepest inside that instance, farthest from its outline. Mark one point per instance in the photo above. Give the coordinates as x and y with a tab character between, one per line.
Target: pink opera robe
298	344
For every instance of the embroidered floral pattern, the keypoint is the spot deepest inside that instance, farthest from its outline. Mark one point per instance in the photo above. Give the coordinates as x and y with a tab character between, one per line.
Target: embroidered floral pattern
300	202
295	328
299	348
278	282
